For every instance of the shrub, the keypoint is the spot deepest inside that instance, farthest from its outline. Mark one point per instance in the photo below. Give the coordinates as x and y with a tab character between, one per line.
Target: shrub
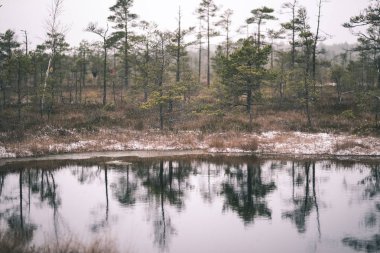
348	114
110	107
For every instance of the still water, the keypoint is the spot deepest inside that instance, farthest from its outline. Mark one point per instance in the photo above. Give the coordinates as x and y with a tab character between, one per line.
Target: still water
195	203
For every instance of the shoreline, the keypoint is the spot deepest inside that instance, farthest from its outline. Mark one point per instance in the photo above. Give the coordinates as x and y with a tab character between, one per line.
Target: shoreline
171	153
63	142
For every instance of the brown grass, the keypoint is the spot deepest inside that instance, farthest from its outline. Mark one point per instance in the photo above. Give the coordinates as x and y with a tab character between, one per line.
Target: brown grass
125	120
217	143
233	140
250	145
349	144
9	243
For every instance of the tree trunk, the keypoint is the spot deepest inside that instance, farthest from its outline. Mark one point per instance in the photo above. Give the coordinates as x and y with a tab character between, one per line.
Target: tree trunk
84	68
126	62
161	115
228	41
200	53
307	96
208	48
19	90
315	45
45	84
21	200
293	34
160	83
178	58
105	74
106	186
249	108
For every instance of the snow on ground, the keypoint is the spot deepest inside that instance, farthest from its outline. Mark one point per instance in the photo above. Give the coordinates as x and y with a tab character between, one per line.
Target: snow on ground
5	154
299	143
71	147
289	143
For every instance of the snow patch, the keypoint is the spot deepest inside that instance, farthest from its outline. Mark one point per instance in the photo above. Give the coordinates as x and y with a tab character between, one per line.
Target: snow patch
271	142
270	134
5	154
227	150
75	146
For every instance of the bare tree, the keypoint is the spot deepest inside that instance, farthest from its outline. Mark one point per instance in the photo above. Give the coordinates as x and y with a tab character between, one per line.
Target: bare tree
207	11
102	33
199	41
316	39
54	28
225	23
292	25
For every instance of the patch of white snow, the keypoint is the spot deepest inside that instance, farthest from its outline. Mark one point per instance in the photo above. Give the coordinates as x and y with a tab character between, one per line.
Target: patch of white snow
5	154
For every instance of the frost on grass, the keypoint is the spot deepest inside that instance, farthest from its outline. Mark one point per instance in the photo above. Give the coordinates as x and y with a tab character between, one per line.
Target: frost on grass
52	141
5	154
71	147
299	143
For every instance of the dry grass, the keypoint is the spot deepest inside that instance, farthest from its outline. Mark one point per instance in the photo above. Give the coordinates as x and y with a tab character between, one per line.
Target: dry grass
233	140
250	145
204	112
217	143
125	121
349	144
90	117
271	120
9	243
189	140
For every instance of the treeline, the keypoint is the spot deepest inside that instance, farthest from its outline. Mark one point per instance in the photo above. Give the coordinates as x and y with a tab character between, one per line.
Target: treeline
138	66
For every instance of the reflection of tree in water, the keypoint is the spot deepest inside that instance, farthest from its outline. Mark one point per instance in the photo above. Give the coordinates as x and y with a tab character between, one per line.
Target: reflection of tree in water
2	179
245	192
209	190
372	189
48	190
369	245
305	202
85	174
19	226
102	223
162	224
125	188
43	183
372	182
168	180
165	183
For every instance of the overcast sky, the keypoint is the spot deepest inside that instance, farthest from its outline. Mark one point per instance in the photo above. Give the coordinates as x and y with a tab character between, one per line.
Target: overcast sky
31	15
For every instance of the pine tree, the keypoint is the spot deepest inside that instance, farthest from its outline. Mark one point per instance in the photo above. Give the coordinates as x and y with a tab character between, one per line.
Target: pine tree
123	19
206	11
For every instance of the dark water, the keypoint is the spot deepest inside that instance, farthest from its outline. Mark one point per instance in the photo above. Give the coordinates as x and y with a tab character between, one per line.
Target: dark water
195	204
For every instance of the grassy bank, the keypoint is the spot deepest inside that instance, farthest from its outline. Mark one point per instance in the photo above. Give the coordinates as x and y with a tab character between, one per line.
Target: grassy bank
50	140
202	122
14	243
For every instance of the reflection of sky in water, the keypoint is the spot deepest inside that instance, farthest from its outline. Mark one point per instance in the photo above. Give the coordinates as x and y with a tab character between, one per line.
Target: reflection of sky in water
267	206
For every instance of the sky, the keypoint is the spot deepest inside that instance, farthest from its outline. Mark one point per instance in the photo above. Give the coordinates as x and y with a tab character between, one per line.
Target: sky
31	15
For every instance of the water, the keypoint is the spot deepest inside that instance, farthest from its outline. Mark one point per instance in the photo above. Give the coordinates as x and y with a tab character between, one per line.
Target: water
195	203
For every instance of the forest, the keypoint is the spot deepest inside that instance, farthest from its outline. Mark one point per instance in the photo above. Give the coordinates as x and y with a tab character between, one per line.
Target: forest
139	77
